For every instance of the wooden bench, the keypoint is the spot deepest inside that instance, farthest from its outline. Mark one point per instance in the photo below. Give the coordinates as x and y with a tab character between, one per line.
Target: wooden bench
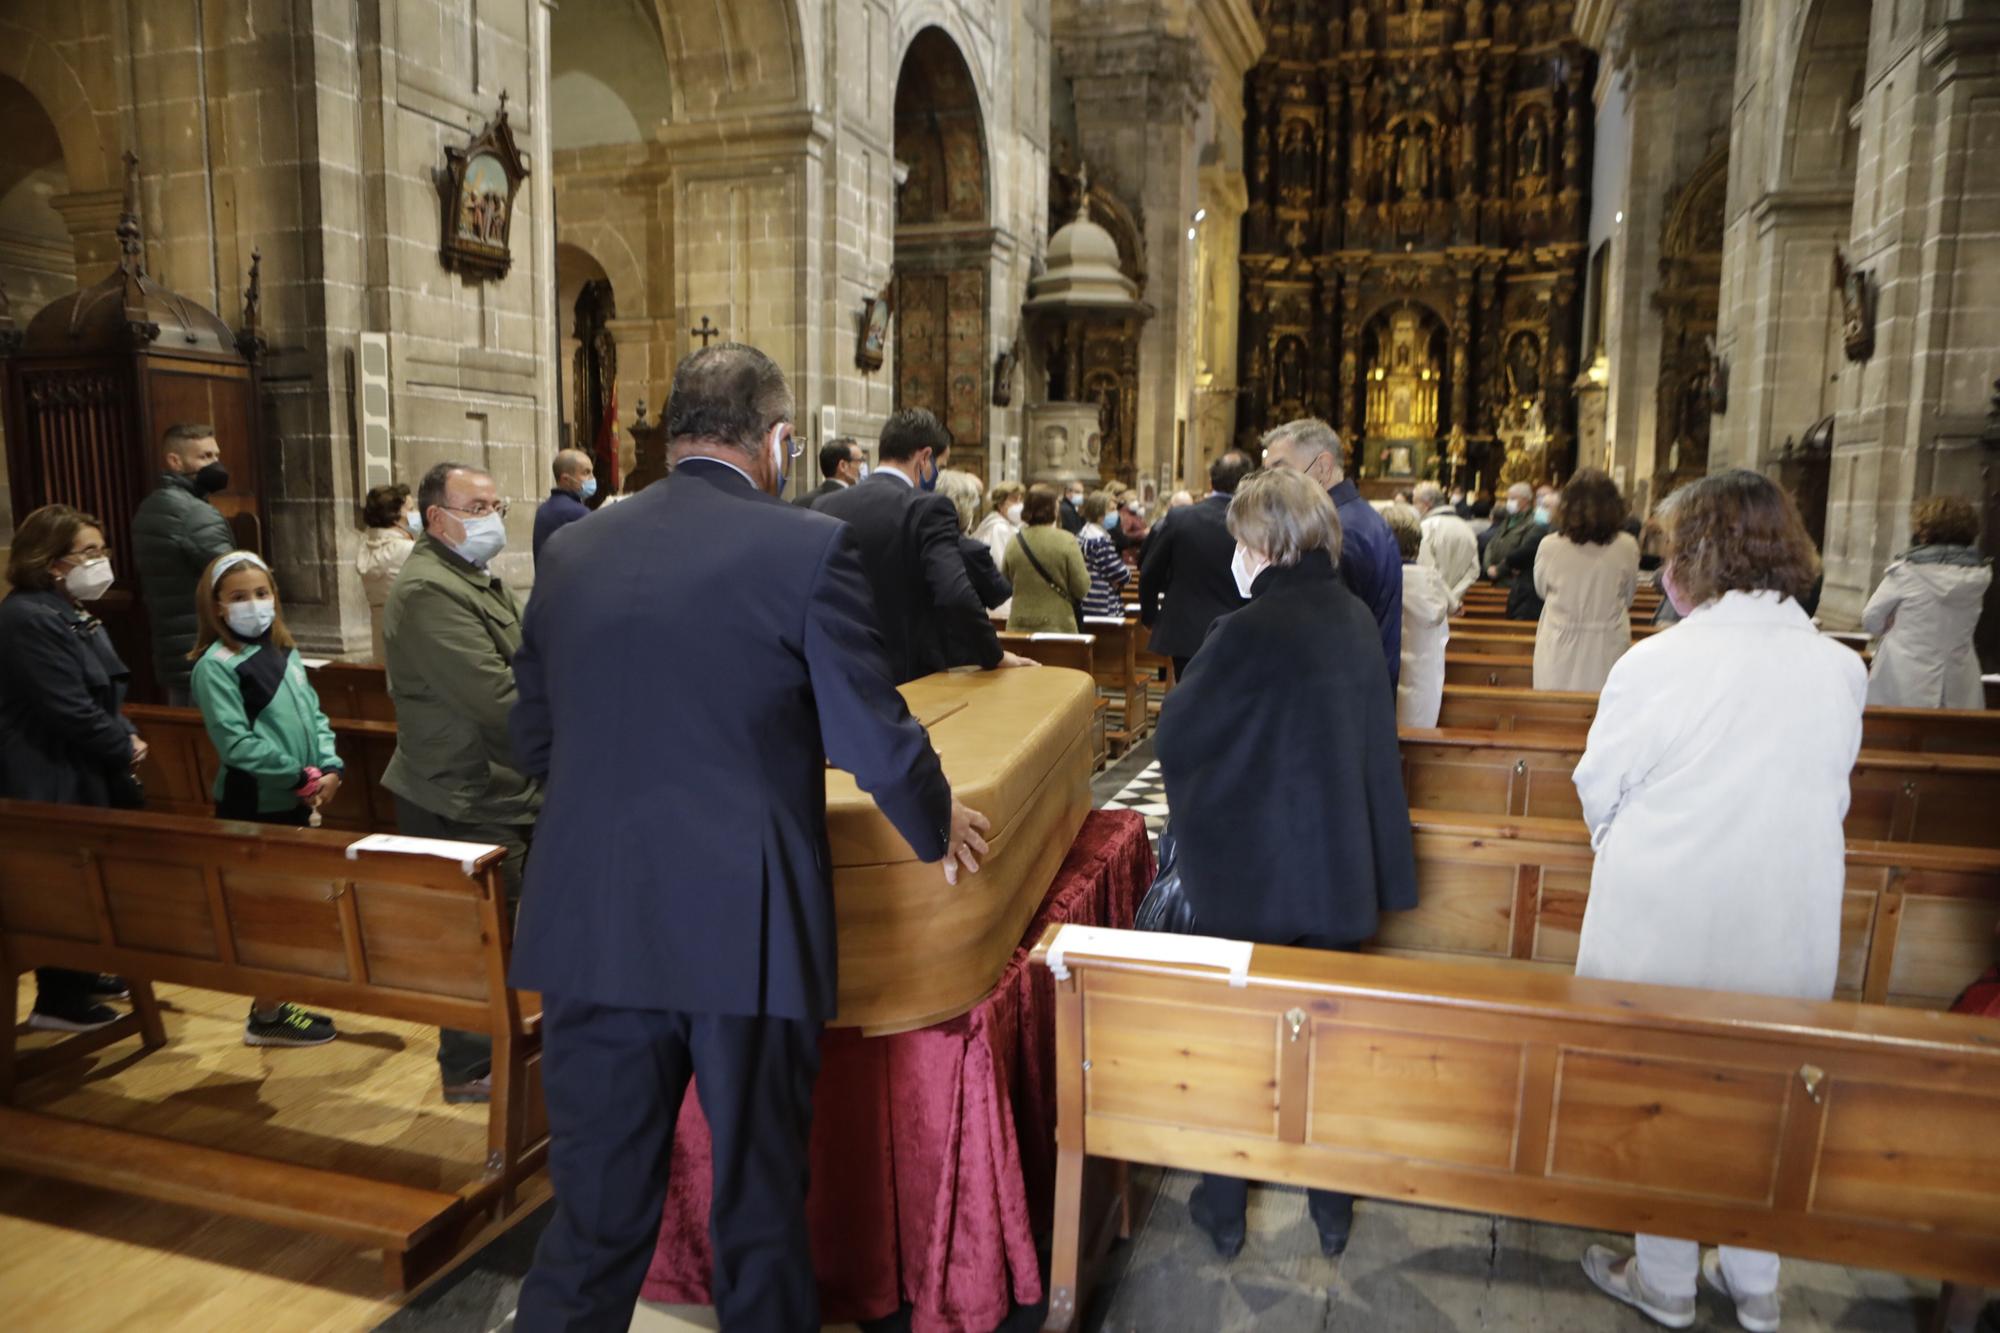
1916	921
253	910
1853	1134
1926	730
1077	653
1117	670
179	772
1494	670
358	690
1898	796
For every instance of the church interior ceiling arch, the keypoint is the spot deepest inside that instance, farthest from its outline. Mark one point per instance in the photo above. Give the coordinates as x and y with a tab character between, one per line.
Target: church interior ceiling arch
1414	155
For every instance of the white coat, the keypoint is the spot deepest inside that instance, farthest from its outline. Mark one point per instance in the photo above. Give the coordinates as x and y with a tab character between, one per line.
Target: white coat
998	534
1426	628
383	551
1714	783
1925	613
1451	547
1586	624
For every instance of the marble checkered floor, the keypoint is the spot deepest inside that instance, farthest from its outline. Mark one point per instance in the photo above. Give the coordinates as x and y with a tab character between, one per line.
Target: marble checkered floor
1147	794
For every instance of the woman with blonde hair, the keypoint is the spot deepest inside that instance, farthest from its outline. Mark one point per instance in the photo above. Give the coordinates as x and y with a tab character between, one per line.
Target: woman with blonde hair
967	496
1714	784
1925	612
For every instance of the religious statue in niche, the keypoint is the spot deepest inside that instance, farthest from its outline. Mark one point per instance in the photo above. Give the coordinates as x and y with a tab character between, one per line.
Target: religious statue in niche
1102	389
1857	308
1718	380
874	337
1413	160
1295	165
1524	366
477	185
1531	155
1291	372
1055	448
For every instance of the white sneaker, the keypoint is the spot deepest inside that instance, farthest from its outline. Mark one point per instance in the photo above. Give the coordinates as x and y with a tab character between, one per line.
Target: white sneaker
1759	1314
1617	1277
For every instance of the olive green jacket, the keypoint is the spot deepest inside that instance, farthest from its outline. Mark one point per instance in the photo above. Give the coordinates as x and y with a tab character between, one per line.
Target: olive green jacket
1040	607
450	632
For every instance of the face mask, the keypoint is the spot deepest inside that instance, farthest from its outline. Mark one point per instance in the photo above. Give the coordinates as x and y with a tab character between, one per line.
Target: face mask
485	537
211	479
780	464
930	478
414	522
589	488
1682	606
250	620
1245	573
1542	515
1014	514
1513	506
90	580
1075	498
861	472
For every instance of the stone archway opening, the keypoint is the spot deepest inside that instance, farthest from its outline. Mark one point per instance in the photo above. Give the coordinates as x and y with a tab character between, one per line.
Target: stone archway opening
944	245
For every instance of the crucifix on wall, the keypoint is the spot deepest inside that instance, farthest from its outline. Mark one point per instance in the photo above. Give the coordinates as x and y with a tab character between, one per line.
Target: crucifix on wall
705	332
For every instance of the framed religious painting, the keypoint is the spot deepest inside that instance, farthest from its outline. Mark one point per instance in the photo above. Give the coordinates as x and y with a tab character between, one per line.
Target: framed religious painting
874	336
477	186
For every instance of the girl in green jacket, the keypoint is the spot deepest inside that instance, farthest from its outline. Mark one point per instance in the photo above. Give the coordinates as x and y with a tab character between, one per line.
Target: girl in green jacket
278	761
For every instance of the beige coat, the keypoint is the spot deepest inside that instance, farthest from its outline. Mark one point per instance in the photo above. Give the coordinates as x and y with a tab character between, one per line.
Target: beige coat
1586	617
383	551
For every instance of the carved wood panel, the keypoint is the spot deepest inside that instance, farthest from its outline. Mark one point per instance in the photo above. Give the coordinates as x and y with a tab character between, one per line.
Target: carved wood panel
941	354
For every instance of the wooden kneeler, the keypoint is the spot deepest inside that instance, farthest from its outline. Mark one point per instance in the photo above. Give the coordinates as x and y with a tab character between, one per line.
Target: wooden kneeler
1853	1134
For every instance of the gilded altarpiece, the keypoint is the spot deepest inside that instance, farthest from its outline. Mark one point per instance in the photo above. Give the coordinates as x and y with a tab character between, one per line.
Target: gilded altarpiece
1414	244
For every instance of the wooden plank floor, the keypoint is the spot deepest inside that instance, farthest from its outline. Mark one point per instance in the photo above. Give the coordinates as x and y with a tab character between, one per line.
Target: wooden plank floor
79	1259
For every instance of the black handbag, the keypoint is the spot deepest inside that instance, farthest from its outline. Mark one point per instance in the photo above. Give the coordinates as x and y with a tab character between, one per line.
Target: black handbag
1075	607
1166	908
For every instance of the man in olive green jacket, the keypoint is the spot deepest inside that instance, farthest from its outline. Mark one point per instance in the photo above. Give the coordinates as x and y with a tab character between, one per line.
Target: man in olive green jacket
450	631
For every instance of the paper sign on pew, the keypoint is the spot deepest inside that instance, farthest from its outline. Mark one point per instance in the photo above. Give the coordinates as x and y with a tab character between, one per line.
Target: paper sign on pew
467	854
1146	946
1045	636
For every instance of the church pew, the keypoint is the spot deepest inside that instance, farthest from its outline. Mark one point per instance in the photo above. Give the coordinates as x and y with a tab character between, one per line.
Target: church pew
1898	796
179	772
1916	920
1783	1124
1117	658
357	690
1925	730
254	910
1496	670
1521	633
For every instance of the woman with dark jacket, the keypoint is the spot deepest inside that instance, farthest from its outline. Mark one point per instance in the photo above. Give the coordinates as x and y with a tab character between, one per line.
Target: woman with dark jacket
1279	753
62	737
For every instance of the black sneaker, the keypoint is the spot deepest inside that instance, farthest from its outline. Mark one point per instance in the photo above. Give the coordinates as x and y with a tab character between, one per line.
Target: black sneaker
83	1015
107	987
288	1026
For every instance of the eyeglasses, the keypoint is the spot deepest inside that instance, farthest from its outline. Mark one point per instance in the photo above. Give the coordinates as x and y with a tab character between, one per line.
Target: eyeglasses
89	553
479	509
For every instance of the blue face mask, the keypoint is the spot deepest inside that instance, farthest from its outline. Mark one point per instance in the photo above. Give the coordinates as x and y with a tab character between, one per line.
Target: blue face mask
250	620
1542	515
589	489
929	482
485	537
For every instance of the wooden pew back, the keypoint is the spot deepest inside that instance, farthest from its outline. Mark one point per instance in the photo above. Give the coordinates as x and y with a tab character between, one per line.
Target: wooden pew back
179	771
1785	1124
255	910
358	690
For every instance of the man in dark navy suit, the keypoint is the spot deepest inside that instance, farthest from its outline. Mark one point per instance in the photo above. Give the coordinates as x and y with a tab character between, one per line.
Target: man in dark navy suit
1185	564
841	464
678	916
908	535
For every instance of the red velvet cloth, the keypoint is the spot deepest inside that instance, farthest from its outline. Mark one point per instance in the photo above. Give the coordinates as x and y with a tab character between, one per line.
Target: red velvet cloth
933	1152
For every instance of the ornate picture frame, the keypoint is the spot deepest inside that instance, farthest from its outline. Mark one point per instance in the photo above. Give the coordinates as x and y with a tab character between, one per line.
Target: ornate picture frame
476	188
872	338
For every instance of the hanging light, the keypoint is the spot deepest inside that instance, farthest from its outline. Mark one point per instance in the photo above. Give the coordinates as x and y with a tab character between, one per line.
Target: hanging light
1200	213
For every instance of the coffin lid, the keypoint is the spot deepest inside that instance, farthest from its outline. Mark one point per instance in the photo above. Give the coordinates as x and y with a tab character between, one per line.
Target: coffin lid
127	310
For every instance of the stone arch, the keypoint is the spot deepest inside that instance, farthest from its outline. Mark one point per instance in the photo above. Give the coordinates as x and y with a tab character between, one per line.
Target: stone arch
53	83
941	135
1829	66
736	58
948	19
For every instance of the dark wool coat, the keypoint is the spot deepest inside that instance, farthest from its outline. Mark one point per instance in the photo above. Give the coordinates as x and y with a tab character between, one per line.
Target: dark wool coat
62	737
1282	770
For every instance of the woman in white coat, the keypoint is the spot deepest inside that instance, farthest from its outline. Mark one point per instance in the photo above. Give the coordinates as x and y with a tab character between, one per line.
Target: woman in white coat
1926	610
1715	783
385	545
1585	573
1427	603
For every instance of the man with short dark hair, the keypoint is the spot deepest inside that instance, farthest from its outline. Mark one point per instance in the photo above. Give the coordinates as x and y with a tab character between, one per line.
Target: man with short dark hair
841	464
909	550
576	485
1185	582
693	935
1370	560
450	630
175	533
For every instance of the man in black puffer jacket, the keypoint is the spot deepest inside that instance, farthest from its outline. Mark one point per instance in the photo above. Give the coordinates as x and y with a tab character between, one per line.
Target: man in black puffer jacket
174	535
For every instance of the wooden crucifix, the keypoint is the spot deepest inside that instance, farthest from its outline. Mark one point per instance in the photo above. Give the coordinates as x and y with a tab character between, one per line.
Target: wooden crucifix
705	332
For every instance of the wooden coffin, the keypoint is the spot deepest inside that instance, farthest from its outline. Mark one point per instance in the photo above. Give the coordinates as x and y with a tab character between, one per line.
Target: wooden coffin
914	950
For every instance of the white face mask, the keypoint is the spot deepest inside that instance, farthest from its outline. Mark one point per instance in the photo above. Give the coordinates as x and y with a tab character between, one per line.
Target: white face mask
485	537
1014	514
1246	567
90	580
250	620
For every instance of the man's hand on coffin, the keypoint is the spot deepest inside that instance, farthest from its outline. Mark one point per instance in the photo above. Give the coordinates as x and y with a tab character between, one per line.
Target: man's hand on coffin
1016	660
967	843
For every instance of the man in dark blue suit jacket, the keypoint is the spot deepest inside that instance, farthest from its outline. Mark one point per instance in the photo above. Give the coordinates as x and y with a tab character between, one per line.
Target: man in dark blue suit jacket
1186	562
678	916
932	617
1370	561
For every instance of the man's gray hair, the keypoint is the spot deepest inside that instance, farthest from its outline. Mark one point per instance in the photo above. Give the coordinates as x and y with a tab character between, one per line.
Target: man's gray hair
1428	496
1521	488
730	393
1309	435
430	491
1281	515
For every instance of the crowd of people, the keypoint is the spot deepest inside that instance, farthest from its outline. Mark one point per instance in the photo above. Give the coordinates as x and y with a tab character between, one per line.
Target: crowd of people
1304	625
